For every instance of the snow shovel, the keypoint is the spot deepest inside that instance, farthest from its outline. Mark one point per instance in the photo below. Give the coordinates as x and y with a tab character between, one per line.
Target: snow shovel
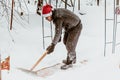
44	72
38	61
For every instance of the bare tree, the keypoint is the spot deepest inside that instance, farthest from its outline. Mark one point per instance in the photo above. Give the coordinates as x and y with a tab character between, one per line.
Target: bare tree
11	15
49	1
98	2
65	4
117	2
39	6
78	4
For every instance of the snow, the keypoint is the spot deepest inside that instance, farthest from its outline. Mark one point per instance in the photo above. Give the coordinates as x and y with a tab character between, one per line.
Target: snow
27	48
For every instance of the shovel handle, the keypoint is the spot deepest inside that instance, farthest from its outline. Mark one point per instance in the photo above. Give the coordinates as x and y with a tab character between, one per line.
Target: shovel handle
39	60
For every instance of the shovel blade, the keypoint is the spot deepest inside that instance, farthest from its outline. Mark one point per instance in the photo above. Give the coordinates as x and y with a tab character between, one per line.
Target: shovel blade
27	71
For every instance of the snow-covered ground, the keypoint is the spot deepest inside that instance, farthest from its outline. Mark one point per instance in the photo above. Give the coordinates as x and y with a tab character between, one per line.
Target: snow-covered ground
27	48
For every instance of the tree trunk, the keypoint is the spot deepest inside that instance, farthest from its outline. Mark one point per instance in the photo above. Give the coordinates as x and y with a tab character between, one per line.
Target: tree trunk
56	3
117	2
78	4
11	21
71	2
98	1
49	1
65	4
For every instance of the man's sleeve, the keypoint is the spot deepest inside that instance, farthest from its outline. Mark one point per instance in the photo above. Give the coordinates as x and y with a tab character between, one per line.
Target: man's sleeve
58	30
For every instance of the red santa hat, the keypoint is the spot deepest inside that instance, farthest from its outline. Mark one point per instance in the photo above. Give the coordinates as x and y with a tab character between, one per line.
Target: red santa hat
46	10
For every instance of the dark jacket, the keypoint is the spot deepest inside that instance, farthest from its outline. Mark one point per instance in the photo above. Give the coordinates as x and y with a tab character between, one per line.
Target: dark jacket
63	18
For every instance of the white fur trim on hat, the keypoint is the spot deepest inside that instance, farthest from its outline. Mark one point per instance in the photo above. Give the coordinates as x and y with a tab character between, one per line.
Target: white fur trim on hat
46	15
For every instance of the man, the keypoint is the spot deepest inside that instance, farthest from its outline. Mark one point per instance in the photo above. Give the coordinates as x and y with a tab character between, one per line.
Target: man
67	20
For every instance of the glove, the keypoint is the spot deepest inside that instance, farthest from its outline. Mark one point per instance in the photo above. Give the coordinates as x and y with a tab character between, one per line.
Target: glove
50	48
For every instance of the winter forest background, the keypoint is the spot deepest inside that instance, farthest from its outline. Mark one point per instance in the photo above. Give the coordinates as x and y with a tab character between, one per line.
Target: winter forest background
24	39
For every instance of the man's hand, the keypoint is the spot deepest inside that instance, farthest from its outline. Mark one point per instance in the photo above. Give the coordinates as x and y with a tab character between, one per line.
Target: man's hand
50	48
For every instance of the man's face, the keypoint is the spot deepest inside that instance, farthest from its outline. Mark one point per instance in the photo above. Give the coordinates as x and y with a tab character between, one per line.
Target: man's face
49	18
